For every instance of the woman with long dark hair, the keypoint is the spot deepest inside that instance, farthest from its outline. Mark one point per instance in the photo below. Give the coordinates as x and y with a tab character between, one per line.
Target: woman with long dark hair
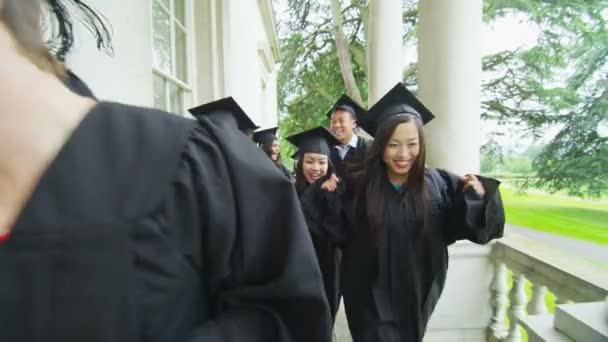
121	223
269	143
320	202
402	216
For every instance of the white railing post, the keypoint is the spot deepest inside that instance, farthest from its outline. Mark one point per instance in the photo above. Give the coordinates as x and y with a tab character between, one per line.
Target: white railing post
537	304
499	289
517	296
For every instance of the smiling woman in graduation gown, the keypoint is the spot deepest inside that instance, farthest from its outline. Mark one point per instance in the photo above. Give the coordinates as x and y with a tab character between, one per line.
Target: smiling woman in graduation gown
402	216
321	206
144	226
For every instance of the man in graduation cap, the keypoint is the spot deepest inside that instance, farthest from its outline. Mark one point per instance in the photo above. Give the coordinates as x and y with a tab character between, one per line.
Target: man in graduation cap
269	143
226	111
405	215
343	118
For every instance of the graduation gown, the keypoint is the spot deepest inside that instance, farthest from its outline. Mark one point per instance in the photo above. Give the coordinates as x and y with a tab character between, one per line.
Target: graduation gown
151	227
352	156
322	210
391	285
284	170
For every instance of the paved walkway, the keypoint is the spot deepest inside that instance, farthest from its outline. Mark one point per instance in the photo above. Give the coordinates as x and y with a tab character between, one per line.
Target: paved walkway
341	332
589	250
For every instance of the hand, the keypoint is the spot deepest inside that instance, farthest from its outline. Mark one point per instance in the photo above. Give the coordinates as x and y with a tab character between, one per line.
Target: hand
470	181
331	184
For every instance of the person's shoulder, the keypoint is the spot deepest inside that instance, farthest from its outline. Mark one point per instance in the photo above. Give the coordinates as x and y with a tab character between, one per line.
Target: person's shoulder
365	143
147	118
143	145
364	140
442	180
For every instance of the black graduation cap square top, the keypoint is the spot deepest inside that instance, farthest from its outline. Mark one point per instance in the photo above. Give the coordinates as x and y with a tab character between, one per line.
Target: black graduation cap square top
398	100
316	140
265	136
347	104
226	107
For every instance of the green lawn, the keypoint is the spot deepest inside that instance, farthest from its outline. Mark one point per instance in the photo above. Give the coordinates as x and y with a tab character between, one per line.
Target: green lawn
580	219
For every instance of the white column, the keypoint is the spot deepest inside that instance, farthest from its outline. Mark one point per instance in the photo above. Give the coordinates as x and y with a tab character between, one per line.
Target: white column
385	64
449	74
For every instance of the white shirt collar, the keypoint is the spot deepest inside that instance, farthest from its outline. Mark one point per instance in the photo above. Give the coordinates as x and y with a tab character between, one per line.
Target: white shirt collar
352	143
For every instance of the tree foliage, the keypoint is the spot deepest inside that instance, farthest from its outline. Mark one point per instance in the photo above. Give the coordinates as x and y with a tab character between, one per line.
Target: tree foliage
560	81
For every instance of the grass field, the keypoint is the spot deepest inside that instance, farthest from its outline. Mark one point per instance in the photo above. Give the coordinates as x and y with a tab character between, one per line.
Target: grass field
580	219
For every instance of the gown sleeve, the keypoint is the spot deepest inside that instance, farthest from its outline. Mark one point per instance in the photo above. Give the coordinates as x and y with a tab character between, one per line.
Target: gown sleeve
242	228
470	217
323	212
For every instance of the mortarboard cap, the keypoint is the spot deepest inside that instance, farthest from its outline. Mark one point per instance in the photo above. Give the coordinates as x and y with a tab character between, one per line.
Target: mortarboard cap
398	100
265	136
347	104
227	108
316	140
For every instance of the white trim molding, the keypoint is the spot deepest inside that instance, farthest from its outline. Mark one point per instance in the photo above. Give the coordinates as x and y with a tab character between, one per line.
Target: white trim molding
270	27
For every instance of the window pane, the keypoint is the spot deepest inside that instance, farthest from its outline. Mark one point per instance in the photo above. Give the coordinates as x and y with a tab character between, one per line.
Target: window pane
181	55
162	39
175	98
160	97
180	11
166	3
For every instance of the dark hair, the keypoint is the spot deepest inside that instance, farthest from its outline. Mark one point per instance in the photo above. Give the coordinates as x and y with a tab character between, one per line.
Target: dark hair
346	108
24	20
63	28
267	148
301	182
368	177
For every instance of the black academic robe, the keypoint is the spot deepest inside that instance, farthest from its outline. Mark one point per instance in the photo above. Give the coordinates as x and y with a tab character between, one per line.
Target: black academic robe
391	284
284	170
322	210
352	156
151	227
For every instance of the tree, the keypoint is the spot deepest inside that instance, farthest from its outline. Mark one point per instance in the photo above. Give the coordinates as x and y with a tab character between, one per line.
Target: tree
560	81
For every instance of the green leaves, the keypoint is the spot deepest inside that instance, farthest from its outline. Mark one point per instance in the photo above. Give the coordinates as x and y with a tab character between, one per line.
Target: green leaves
561	81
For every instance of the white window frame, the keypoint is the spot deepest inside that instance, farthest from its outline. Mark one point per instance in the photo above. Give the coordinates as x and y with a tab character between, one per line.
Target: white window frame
171	79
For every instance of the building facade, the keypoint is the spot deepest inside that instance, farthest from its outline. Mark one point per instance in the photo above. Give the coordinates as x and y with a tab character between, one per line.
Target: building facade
175	54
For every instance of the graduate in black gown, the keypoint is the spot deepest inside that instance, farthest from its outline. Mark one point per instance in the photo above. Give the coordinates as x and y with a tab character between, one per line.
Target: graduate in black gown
269	143
320	203
123	223
343	117
401	216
